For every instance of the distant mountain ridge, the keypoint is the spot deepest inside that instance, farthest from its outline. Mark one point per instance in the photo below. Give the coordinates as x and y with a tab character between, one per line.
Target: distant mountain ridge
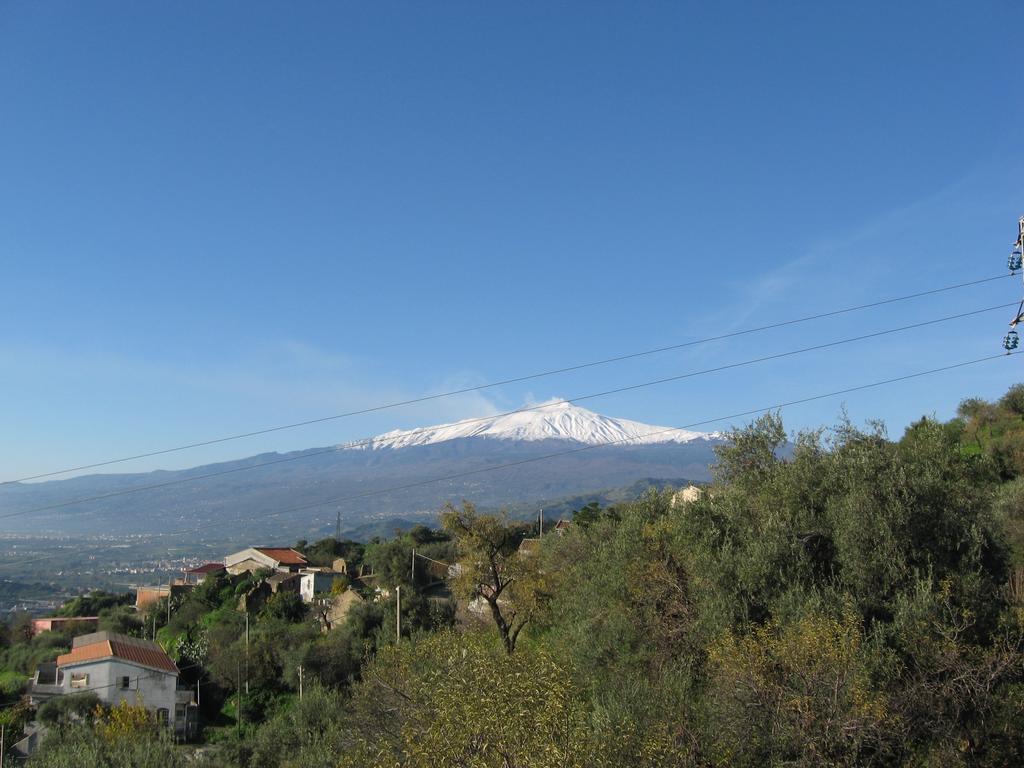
551	420
516	461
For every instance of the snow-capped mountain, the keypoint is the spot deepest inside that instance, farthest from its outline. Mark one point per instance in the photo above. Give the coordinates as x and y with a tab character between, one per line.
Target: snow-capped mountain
518	461
551	420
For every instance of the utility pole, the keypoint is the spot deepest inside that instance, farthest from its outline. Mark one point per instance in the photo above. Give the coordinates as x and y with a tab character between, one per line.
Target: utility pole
246	653
300	682
168	602
198	701
1	744
412	573
337	528
238	697
541	522
398	614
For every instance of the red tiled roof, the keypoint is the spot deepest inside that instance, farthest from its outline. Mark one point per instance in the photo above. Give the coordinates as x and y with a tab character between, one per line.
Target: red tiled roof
283	555
206	568
143	653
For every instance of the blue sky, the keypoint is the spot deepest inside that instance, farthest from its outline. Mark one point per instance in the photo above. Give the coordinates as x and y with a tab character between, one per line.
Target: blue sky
222	216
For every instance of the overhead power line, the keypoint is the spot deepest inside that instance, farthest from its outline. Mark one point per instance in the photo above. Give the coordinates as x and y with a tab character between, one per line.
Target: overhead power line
585	448
525	409
512	380
556	454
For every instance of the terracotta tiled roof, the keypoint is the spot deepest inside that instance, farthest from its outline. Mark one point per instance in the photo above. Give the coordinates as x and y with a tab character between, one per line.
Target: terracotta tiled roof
111	646
207	568
283	555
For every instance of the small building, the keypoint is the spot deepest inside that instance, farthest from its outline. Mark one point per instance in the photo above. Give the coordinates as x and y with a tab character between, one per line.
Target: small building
316	581
562	526
63	623
341	565
199	574
262	558
284	582
147	596
119	668
529	546
687	495
340	606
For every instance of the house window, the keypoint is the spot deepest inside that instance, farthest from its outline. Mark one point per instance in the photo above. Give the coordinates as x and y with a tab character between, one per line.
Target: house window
79	680
126	683
161	716
179	713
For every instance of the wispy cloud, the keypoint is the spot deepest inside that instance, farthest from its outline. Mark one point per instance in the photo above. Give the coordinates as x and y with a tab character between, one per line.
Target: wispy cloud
130	404
847	263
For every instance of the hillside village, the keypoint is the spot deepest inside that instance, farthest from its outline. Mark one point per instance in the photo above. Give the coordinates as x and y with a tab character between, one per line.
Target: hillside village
142	668
140	672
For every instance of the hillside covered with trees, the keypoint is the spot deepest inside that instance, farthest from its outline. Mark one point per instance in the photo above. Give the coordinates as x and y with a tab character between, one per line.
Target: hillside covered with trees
850	600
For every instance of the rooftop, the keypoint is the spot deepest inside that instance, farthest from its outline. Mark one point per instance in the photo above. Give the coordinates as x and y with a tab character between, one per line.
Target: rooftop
529	546
207	568
110	645
283	555
281	578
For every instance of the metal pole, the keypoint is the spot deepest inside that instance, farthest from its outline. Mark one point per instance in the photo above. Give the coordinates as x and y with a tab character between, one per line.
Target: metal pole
542	522
238	696
300	682
1	744
398	614
246	653
413	571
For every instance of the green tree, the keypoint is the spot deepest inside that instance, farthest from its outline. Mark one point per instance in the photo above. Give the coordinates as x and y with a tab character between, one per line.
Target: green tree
82	745
801	694
450	699
492	569
286	606
95	602
311	732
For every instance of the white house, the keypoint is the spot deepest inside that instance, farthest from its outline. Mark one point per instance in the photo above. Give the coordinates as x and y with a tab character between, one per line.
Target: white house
687	495
119	668
316	581
260	558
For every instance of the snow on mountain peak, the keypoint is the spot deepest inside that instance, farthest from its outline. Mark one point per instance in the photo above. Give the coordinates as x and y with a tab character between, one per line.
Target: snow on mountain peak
551	420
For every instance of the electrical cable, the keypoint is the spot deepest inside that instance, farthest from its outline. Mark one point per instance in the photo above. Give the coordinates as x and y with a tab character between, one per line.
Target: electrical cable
571	451
512	380
368	441
545	457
